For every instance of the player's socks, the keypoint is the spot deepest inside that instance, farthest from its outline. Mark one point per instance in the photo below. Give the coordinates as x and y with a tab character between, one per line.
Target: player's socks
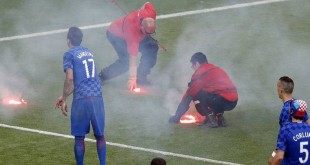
79	149
101	149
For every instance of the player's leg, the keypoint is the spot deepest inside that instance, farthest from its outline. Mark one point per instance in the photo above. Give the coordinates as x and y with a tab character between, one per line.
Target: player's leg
121	65
148	48
98	125
79	149
80	126
101	149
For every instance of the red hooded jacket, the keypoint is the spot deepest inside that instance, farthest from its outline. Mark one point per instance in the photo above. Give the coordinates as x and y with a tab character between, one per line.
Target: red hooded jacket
212	79
128	27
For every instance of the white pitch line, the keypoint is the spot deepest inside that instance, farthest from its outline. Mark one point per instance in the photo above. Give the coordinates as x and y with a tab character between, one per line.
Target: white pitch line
241	5
121	145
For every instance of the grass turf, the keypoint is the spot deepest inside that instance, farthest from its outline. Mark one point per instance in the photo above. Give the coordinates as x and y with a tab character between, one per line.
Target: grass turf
256	45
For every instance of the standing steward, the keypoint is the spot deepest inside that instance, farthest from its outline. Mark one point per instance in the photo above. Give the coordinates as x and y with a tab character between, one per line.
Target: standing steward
130	35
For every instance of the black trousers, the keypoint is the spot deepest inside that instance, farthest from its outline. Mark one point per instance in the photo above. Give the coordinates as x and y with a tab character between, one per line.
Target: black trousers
207	103
148	48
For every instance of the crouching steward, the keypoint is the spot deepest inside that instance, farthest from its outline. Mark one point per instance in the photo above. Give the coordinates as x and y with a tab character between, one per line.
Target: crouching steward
211	90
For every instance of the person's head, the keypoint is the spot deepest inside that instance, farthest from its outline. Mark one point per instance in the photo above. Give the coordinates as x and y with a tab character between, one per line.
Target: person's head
298	109
197	59
148	25
285	87
158	161
74	36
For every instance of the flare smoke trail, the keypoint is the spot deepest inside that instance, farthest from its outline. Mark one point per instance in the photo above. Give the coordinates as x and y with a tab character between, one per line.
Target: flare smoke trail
254	52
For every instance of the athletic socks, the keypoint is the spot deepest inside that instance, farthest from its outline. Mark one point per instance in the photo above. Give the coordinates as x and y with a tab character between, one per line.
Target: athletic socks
101	149
79	149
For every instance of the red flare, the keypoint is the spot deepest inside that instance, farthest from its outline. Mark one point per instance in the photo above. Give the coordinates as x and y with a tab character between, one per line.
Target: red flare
11	101
137	90
191	118
186	119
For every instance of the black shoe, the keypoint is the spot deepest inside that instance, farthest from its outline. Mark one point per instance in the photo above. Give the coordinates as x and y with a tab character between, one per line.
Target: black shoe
143	82
220	120
212	121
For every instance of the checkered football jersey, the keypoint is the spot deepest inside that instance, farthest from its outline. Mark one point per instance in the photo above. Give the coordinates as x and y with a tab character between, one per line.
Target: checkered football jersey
86	82
284	117
294	140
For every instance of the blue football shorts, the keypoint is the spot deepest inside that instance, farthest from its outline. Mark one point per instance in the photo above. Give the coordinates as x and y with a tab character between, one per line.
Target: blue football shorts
86	111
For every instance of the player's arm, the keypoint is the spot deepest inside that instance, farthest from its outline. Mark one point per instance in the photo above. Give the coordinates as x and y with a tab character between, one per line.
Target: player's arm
278	157
67	90
68	84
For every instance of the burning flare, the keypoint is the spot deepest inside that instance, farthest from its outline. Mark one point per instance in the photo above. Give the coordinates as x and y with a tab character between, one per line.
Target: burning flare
137	90
186	119
10	101
191	118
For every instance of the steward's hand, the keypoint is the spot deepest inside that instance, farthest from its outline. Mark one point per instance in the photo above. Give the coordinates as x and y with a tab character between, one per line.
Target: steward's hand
132	83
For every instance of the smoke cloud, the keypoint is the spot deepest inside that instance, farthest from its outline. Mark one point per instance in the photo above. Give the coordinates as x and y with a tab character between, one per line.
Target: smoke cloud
255	49
252	45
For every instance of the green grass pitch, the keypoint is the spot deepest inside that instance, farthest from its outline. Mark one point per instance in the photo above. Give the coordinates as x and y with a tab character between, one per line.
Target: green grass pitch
256	45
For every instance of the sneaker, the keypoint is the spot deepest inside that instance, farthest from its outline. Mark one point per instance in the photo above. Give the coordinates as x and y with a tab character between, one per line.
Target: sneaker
212	121
220	120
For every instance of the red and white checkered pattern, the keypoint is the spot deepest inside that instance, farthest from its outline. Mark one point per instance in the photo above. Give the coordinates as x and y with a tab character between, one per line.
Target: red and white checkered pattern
303	106
300	108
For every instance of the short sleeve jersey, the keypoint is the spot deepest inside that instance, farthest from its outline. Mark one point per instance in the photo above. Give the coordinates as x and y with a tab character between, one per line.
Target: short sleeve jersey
284	117
294	140
86	82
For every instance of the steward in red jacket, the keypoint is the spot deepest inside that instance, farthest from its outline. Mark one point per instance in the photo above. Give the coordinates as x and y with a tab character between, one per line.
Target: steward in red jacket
130	35
211	90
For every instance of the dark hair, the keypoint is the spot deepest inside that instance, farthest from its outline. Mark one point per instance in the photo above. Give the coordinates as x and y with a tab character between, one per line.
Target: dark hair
158	161
75	36
287	84
199	57
298	117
